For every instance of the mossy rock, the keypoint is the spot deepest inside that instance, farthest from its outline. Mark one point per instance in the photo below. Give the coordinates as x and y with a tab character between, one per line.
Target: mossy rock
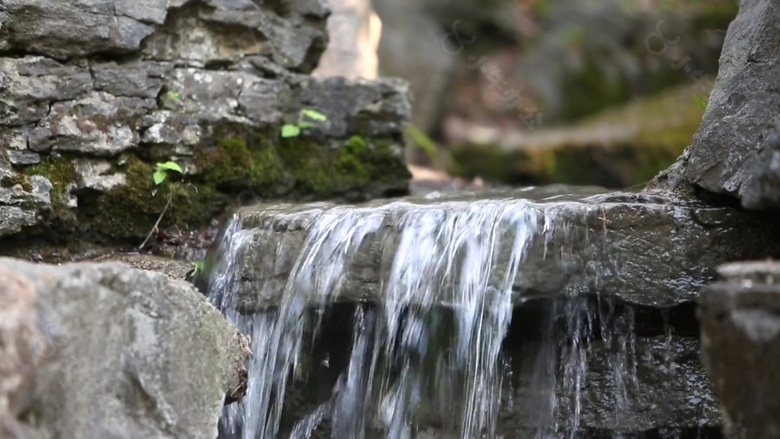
618	148
301	167
242	162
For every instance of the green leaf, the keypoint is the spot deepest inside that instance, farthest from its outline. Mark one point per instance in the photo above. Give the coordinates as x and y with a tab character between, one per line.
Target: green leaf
290	130
305	124
169	166
174	96
701	102
314	115
159	176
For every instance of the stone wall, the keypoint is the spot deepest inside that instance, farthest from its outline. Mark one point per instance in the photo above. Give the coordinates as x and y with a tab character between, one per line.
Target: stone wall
95	94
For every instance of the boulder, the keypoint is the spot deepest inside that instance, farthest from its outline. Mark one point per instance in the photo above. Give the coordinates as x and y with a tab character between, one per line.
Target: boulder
20	356
643	249
103	350
741	346
732	151
90	107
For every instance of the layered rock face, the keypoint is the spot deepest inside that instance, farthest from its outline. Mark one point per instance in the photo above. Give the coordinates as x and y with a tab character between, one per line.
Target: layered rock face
94	94
735	150
102	350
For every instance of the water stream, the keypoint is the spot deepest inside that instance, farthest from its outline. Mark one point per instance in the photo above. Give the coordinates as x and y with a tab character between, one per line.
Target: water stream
429	360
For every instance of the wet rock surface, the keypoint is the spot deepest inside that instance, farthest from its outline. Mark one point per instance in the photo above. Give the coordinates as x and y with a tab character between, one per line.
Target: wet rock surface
730	150
89	106
741	346
643	249
118	353
570	367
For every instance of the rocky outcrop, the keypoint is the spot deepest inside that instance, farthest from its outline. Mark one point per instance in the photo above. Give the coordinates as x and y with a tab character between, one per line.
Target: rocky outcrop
733	150
643	249
91	104
741	346
102	350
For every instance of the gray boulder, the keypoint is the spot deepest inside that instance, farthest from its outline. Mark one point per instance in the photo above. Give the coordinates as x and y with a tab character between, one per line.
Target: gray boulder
741	346
726	155
112	352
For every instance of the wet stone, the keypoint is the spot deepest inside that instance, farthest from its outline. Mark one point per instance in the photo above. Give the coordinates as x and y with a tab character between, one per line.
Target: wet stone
741	346
642	250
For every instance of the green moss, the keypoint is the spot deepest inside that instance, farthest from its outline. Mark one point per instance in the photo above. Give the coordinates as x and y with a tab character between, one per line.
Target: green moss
16	179
59	172
589	91
324	171
297	166
130	210
236	163
596	150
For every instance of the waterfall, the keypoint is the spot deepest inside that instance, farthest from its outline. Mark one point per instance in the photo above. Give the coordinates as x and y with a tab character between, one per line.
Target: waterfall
428	358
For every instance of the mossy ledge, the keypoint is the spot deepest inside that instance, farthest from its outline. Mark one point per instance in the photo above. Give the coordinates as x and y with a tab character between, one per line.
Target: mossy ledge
243	165
620	147
304	167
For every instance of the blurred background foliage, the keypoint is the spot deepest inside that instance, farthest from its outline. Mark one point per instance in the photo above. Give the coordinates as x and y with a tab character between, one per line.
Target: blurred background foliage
601	92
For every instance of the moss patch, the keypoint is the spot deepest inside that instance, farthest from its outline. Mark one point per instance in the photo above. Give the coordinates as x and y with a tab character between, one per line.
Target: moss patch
59	172
16	179
619	148
299	166
130	211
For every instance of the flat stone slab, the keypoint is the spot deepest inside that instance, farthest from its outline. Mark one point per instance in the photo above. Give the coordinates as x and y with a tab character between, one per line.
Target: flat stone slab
641	248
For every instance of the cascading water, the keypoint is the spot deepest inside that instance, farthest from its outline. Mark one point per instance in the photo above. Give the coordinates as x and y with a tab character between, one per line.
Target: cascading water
427	357
443	256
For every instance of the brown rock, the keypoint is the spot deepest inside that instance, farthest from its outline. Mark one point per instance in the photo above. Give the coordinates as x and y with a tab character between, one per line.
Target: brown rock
19	355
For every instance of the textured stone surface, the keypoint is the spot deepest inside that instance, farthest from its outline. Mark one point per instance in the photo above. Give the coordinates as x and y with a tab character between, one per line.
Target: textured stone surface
653	382
123	353
640	248
761	189
741	346
92	104
212	30
20	349
726	153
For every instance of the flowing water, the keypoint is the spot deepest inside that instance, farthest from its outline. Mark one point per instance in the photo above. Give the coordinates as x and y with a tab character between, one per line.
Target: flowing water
428	360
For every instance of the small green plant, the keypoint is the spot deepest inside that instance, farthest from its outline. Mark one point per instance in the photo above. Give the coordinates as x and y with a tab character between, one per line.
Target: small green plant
173	96
307	118
161	171
700	102
159	176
